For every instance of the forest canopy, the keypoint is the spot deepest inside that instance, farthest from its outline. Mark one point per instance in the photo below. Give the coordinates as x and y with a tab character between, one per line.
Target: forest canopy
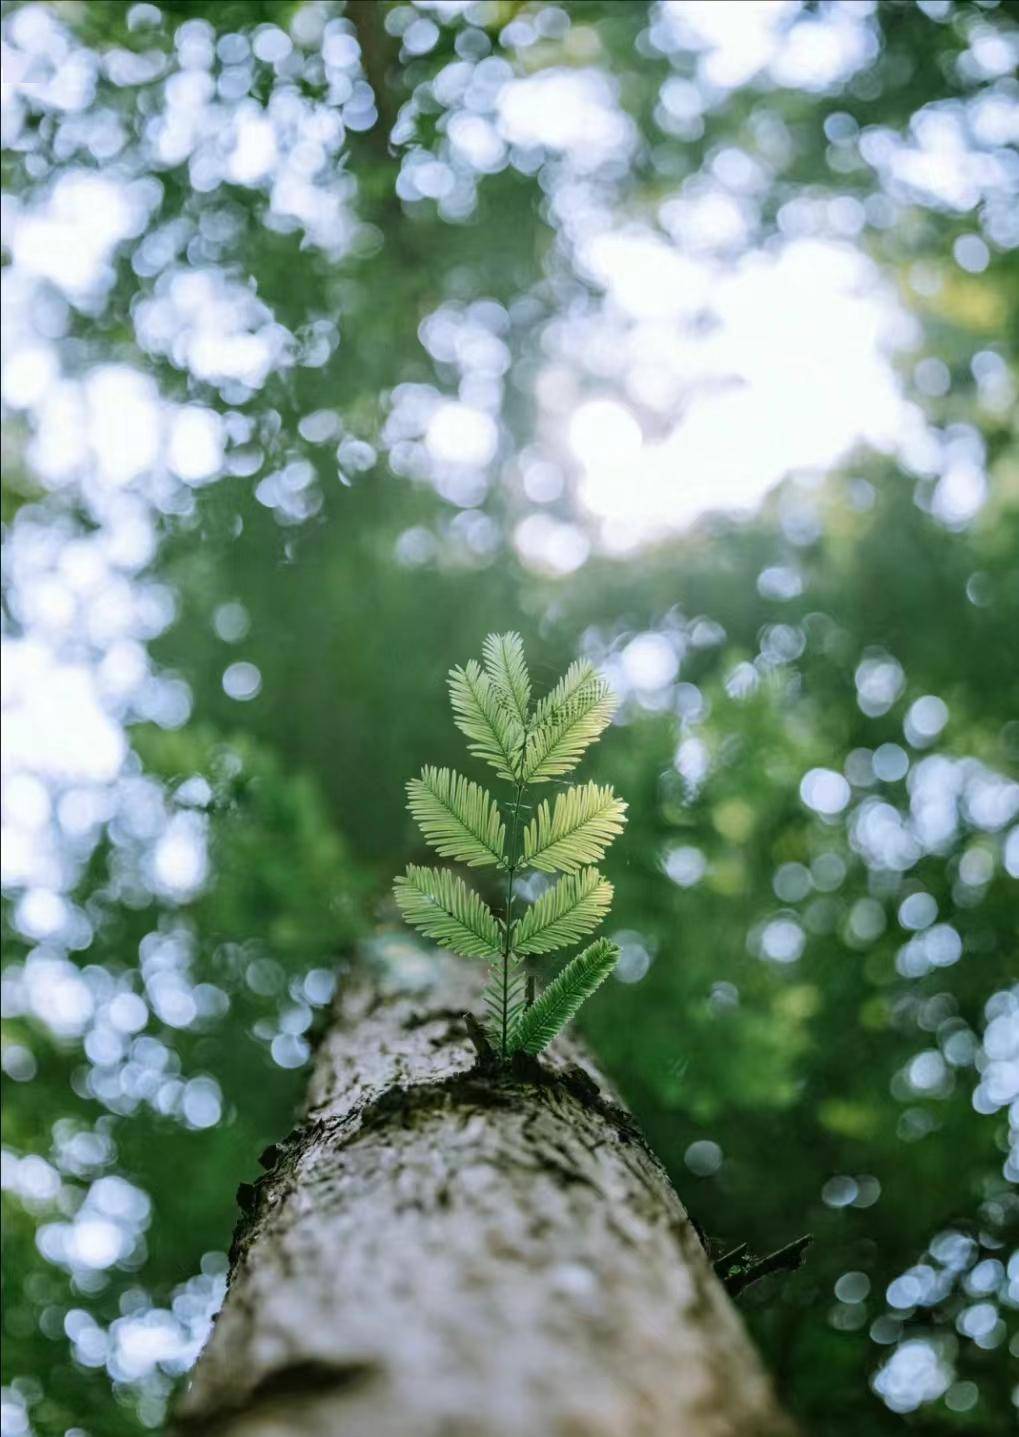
678	337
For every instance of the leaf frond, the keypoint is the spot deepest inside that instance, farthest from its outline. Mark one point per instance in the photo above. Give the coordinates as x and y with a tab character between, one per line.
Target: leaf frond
439	904
505	998
577	676
507	668
480	714
457	817
525	743
537	1025
566	913
576	831
567	722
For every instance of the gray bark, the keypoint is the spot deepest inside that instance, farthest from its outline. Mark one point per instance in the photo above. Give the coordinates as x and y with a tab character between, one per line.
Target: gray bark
440	1252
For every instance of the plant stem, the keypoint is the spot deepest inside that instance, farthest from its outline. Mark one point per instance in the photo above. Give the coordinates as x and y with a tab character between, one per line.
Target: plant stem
507	942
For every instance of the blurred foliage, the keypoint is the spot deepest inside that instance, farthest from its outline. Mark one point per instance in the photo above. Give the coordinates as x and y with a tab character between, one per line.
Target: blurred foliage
778	995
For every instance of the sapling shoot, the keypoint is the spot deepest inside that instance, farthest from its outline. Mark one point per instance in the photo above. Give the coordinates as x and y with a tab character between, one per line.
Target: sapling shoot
527	744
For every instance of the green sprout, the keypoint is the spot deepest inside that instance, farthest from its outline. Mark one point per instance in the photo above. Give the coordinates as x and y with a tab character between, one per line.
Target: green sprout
526	745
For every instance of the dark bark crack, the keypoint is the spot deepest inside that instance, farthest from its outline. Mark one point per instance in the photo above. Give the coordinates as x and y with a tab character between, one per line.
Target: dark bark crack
281	1387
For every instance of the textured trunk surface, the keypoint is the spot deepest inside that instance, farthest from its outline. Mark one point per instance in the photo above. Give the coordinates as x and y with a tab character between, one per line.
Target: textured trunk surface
435	1252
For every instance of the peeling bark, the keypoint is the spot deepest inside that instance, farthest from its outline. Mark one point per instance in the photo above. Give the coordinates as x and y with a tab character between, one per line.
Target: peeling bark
438	1251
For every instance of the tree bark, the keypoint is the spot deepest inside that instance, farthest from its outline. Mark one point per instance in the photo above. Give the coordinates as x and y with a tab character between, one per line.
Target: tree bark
443	1251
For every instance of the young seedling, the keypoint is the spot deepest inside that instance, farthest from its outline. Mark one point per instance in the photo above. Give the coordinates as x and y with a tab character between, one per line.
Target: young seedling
527	745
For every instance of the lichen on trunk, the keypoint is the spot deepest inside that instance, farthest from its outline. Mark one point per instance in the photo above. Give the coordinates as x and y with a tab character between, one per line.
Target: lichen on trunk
440	1250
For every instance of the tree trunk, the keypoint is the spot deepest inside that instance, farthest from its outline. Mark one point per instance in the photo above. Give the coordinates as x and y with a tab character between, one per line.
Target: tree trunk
439	1251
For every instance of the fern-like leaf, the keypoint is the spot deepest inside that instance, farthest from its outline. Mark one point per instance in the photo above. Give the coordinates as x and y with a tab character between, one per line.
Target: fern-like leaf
548	1015
481	715
567	722
441	905
576	831
504	661
504	998
457	817
565	914
577	676
525	743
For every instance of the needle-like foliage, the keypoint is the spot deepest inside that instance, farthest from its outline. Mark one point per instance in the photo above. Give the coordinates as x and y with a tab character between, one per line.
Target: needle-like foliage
548	1015
576	830
525	745
480	712
457	817
444	908
505	665
505	999
565	914
567	726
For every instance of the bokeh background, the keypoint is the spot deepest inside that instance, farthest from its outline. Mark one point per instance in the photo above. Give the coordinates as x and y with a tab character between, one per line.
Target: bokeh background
679	335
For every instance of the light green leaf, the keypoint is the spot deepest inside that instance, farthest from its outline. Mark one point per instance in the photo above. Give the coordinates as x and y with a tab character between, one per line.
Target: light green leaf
577	676
457	817
441	905
504	660
548	1014
567	721
495	734
579	828
566	913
